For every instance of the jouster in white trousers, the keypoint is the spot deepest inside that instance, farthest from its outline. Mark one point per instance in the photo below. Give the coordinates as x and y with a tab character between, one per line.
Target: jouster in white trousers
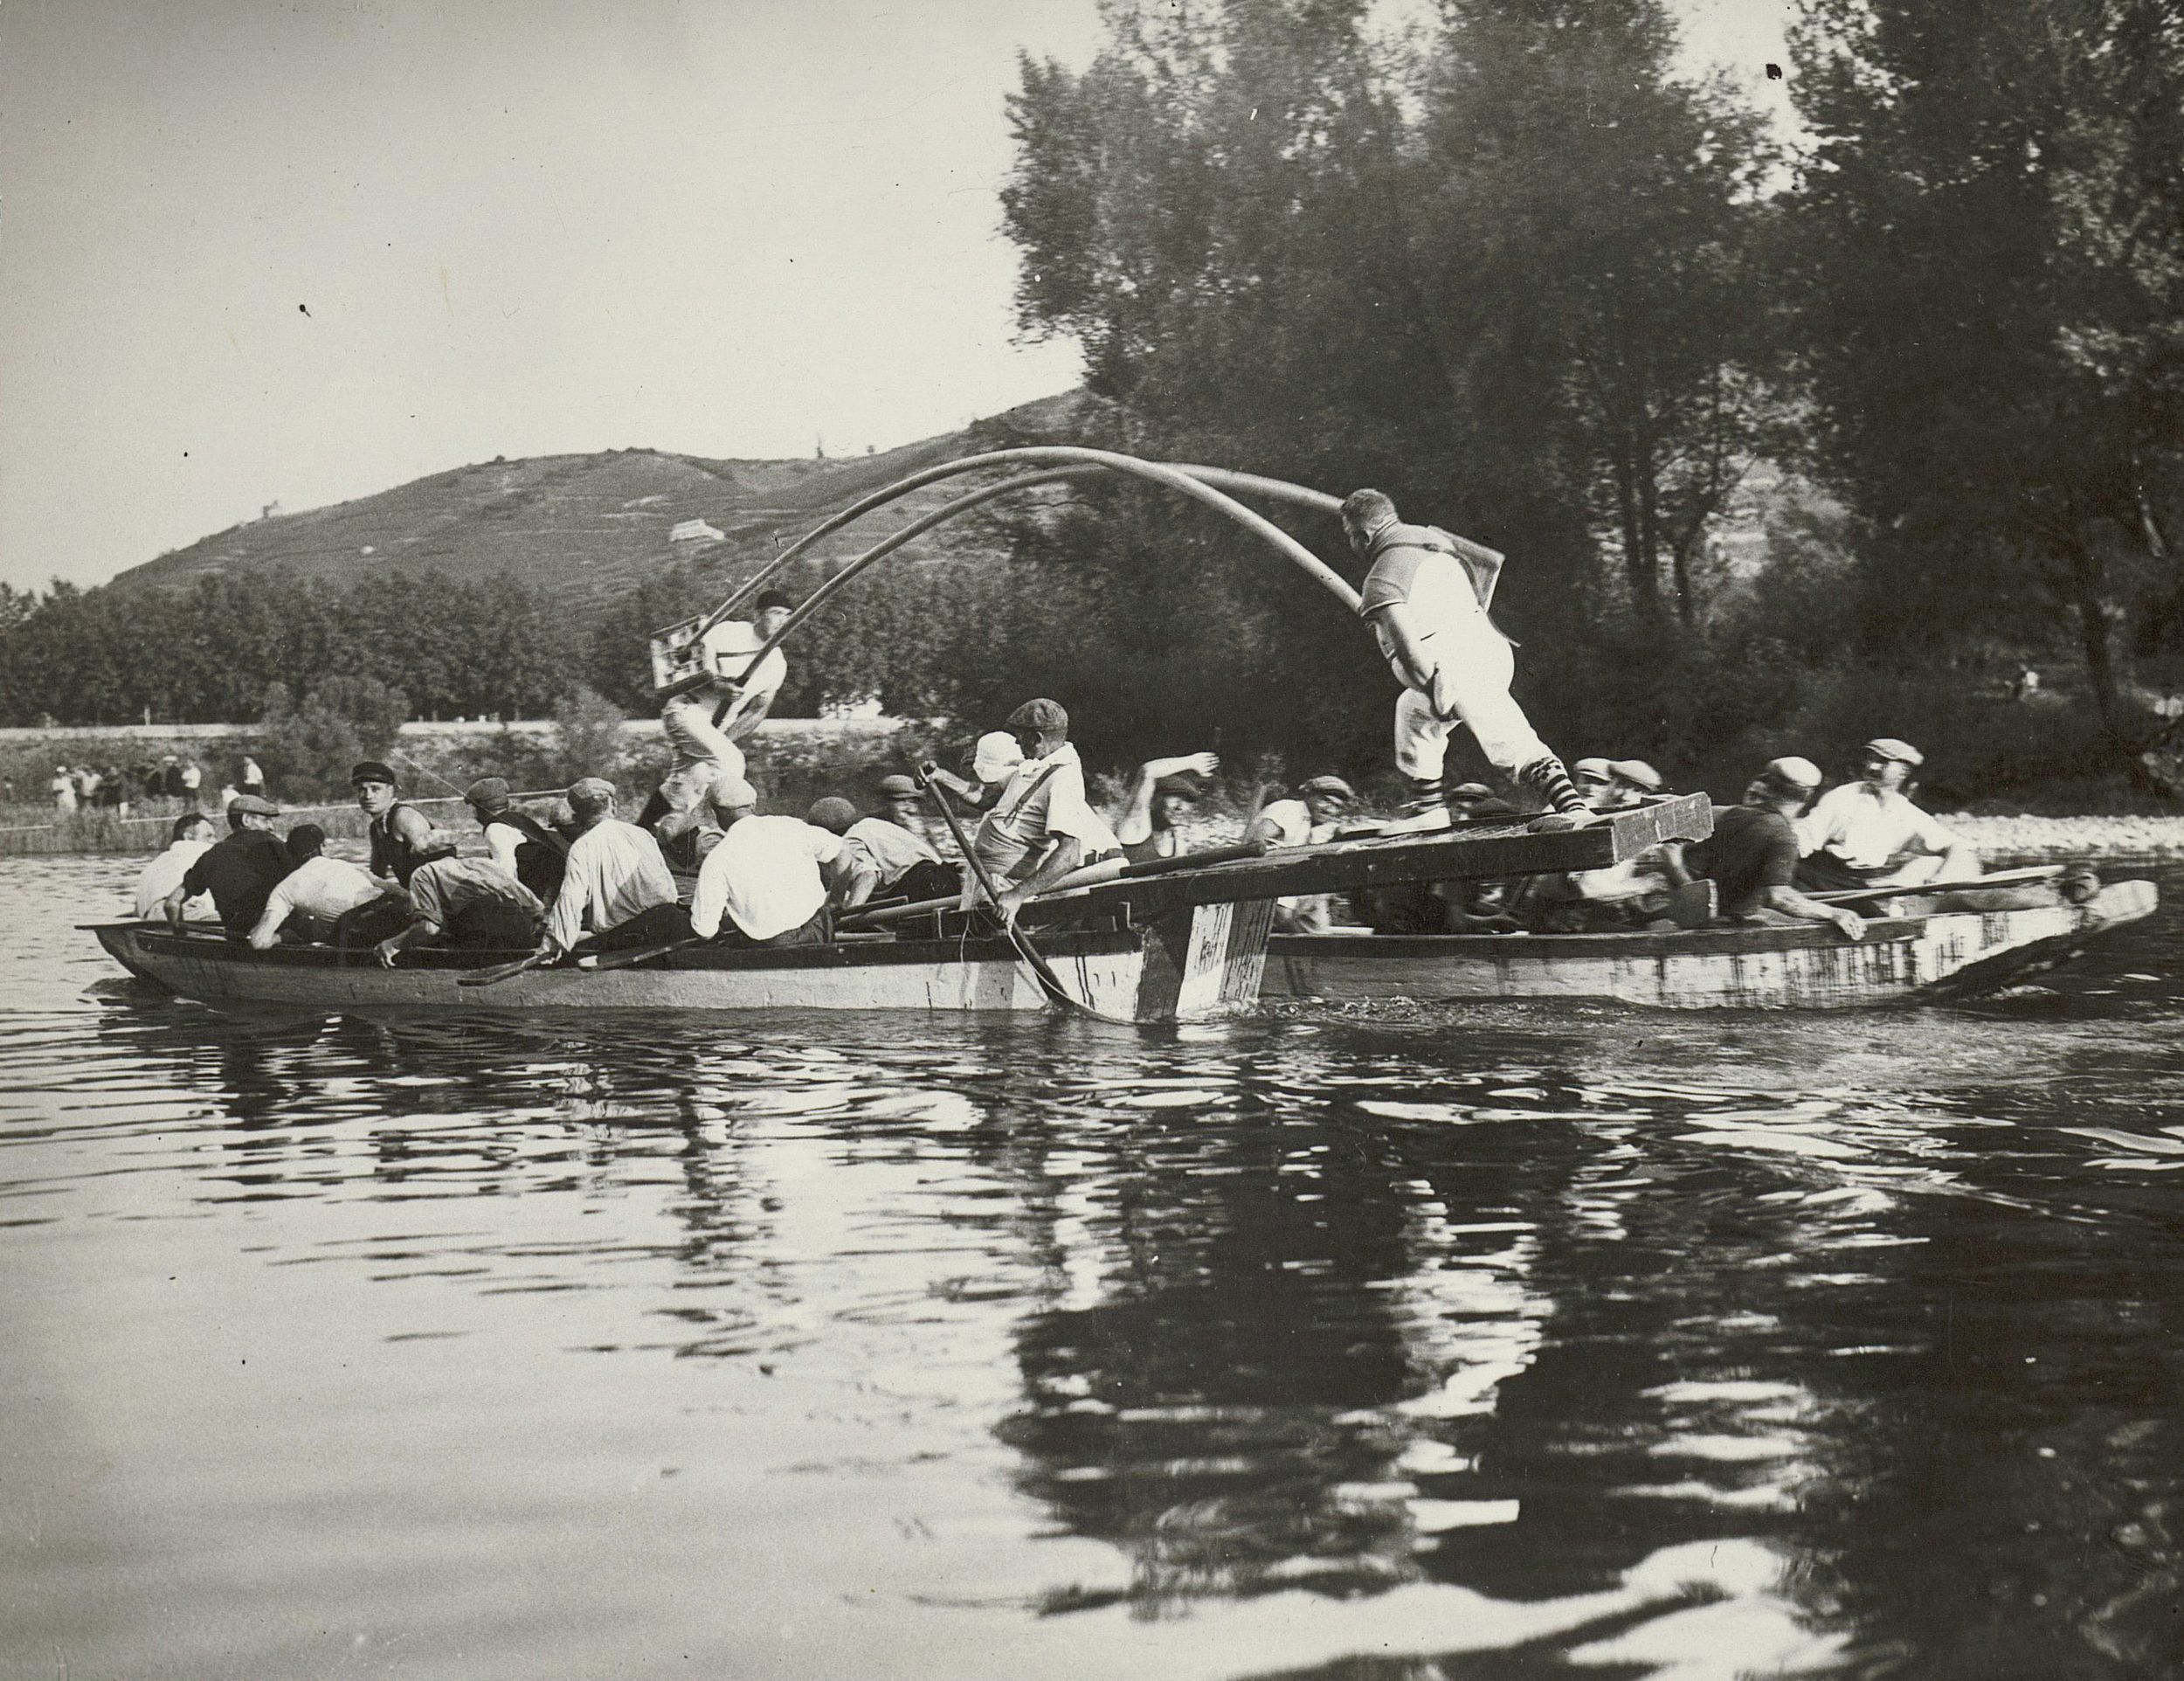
703	754
1472	665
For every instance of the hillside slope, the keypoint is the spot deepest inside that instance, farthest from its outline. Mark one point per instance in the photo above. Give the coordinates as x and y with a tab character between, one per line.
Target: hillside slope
587	524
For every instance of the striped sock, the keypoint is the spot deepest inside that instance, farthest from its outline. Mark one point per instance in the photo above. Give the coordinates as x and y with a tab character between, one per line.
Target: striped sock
1553	784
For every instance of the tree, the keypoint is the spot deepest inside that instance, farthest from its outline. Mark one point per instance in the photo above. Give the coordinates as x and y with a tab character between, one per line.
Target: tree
1994	328
311	746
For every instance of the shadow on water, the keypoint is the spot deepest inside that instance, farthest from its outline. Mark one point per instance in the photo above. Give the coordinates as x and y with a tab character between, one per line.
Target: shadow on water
1517	1344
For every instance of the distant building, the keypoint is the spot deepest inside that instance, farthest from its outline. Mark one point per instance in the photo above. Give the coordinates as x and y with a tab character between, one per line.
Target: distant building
694	531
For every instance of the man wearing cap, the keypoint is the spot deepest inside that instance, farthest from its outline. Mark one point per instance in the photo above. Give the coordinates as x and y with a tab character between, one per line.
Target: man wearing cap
311	901
240	871
470	904
902	803
1867	834
1041	827
1425	595
524	847
402	836
706	726
190	840
616	883
1307	817
762	884
880	856
1162	797
1752	856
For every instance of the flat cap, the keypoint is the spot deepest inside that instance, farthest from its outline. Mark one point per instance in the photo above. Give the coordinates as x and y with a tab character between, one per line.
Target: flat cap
492	792
899	787
1791	772
1039	715
1637	773
833	814
1328	785
1889	747
590	793
995	756
252	805
1185	787
1599	769
733	793
372	769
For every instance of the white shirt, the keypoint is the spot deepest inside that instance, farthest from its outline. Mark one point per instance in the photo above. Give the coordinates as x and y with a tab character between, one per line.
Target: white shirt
732	643
502	839
893	850
319	887
764	876
443	886
164	874
615	871
1291	821
1035	805
1868	828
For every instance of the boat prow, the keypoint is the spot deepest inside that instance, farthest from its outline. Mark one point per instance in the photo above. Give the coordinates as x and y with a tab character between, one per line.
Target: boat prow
1908	956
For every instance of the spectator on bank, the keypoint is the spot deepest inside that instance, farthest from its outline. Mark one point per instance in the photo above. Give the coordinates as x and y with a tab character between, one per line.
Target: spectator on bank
253	780
63	788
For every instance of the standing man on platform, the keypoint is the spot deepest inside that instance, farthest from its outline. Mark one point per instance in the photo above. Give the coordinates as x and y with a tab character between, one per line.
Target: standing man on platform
1426	597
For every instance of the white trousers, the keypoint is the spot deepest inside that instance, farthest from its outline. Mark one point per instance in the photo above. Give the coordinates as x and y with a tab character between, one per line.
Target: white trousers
1472	668
703	754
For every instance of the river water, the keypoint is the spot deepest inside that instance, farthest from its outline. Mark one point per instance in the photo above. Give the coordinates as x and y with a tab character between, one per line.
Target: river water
1523	1343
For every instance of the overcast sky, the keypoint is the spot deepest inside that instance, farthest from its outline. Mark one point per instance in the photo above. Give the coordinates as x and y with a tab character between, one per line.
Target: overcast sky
301	252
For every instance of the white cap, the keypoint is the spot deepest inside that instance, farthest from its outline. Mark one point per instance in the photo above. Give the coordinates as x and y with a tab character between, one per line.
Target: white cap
995	757
1793	772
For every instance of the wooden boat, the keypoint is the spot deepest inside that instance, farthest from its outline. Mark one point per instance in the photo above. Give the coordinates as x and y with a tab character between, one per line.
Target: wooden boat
1181	945
1916	950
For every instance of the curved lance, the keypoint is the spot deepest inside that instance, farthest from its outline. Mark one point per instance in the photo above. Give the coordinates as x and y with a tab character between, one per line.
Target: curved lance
1219	478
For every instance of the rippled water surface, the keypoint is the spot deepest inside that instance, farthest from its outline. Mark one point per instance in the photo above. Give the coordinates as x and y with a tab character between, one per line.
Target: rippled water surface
1519	1344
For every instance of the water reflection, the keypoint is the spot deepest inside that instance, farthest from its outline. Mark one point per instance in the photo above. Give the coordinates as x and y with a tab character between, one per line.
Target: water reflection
1563	1342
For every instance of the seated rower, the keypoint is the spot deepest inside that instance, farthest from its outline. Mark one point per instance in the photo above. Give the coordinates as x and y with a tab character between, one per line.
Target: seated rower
1465	907
398	831
1308	817
616	883
241	870
521	845
324	900
1166	792
1752	856
189	840
762	885
1868	834
902	803
1041	827
1616	897
470	904
880	858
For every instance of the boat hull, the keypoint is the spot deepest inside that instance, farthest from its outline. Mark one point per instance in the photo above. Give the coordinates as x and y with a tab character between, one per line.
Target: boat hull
1917	958
1101	969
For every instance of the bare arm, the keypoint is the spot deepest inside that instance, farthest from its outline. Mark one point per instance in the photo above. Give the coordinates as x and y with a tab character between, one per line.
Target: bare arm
1066	852
1135	824
1791	903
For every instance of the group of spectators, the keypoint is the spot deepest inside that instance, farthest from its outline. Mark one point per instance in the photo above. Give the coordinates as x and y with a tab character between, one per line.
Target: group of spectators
116	787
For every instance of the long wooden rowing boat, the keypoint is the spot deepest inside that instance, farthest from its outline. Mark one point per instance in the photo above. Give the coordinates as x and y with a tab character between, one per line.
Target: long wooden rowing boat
1915	950
1185	944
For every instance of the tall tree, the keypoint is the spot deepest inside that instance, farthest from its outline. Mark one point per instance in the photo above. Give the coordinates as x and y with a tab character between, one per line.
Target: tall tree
1995	325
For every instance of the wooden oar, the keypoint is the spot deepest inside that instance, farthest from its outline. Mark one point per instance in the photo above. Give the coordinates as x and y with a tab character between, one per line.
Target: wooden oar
504	971
637	954
2022	877
1092	876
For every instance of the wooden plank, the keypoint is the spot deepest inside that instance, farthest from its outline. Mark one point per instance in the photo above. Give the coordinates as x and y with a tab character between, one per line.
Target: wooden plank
1444	855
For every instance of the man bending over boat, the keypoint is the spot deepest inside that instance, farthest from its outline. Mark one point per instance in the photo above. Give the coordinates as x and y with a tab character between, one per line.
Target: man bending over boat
239	871
468	904
1306	818
616	883
189	840
1868	834
762	884
1426	597
322	899
881	858
1752	856
1041	827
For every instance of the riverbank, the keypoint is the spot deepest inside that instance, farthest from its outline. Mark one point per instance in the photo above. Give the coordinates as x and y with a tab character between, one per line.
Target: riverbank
2038	840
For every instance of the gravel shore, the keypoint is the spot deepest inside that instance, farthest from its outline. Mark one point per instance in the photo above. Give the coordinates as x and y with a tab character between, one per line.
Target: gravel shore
2041	838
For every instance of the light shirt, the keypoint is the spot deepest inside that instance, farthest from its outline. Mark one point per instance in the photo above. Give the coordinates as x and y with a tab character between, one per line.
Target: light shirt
164	874
893	849
442	887
502	839
1868	828
1291	821
615	872
319	887
1035	805
764	877
732	643
1435	585
192	777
